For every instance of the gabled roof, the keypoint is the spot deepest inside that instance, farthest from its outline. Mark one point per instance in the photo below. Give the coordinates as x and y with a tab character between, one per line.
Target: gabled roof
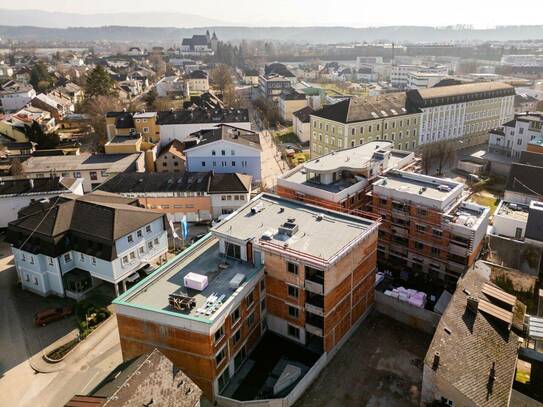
304	114
471	341
228	133
149	182
174	147
198	74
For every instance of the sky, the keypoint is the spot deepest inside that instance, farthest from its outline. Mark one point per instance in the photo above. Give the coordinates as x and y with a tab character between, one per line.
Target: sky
355	13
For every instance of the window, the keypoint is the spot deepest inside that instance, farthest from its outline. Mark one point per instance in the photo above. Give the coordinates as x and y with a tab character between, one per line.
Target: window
223	379
130	239
223	152
93	260
203	163
103	173
93	176
250	299
125	260
293	311
213	152
518	233
146	129
419	246
220	356
148	228
235	316
292	267
31	259
132	255
251	320
139	233
150	245
263	305
141	250
156	241
437	232
36	281
292	291
81	257
236	337
293	331
232	152
421	228
262	285
233	163
67	258
50	261
435	251
422	212
219	334
77	174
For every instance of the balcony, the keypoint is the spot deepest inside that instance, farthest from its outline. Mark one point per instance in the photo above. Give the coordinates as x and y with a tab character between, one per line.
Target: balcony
457	250
314	309
313	330
314	287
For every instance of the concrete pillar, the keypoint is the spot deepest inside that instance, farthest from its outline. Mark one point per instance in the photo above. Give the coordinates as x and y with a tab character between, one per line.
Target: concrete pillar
116	289
124	286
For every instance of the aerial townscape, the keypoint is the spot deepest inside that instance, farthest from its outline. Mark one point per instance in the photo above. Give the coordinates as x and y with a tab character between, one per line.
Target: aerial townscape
249	204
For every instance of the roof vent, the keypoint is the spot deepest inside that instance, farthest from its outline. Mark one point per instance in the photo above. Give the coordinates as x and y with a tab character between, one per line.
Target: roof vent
289	228
444	188
437	358
257	208
320	217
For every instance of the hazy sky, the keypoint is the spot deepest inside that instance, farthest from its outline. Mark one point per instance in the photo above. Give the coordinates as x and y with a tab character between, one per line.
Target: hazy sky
358	13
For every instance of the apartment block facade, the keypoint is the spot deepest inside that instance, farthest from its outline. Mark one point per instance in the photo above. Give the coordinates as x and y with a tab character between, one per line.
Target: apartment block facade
427	225
515	136
358	121
267	267
463	113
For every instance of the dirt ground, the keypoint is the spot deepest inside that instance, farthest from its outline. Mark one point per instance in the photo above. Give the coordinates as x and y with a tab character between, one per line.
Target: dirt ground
380	365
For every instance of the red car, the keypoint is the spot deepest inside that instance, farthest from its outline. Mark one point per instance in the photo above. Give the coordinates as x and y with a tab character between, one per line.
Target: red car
49	315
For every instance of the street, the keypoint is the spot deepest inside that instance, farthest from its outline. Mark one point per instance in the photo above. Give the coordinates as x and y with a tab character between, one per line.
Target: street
272	163
20	340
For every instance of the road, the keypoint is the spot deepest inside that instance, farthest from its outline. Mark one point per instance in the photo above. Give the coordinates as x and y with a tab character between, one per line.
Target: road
20	385
272	163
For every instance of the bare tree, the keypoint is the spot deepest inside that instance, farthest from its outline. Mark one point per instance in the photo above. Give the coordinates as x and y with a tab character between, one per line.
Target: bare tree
427	157
97	108
221	77
444	153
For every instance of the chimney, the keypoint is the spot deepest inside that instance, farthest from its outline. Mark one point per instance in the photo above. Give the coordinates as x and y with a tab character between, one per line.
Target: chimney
473	304
435	364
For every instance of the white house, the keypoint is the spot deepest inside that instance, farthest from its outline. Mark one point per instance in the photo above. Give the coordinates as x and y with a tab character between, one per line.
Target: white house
514	136
301	123
171	86
226	149
75	243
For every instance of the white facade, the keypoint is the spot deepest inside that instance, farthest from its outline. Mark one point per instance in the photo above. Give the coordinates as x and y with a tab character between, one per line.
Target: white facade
43	274
510	220
226	203
171	85
419	80
301	129
462	119
399	73
514	138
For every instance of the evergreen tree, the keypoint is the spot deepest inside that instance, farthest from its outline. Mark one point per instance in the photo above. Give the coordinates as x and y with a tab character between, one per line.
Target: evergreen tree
99	83
40	78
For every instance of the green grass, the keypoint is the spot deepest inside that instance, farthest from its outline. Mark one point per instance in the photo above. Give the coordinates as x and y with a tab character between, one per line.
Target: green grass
485	200
287	136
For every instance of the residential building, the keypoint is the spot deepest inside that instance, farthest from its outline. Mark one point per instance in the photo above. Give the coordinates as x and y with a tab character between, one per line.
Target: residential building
16	194
171	158
226	149
472	359
197	82
525	103
356	121
463	113
522	60
54	103
273	85
279	69
127	123
341	179
68	246
301	123
15	95
315	291
6	72
511	139
428	226
72	91
180	124
143	381
129	144
250	76
289	102
93	168
200	196
172	87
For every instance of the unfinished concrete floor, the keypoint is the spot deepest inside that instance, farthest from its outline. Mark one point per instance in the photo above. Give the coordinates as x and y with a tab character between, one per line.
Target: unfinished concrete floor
380	365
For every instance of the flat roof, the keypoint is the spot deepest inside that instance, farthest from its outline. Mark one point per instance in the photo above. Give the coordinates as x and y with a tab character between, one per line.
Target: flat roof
418	185
82	162
203	258
513	210
265	214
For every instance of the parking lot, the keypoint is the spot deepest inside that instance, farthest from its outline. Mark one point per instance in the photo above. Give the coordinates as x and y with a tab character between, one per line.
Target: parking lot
380	365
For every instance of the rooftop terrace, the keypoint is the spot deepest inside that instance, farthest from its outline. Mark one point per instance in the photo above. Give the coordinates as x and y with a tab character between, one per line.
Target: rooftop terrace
203	258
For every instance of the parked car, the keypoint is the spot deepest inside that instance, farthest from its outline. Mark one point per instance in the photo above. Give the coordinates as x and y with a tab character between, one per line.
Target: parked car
49	315
197	237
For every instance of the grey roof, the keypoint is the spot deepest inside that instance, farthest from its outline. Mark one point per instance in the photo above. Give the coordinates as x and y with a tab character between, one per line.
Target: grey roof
230	182
35	186
198	74
150	378
227	133
85	161
304	114
470	342
525	179
147	182
357	109
202	115
528	157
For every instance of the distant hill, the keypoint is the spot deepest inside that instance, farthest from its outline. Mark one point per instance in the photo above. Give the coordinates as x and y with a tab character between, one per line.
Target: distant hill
48	19
171	35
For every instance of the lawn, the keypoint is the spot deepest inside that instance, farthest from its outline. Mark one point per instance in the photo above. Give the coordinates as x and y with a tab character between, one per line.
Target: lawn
286	135
486	198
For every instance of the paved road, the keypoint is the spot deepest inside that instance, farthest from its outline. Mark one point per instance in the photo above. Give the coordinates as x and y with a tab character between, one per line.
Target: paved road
272	164
19	384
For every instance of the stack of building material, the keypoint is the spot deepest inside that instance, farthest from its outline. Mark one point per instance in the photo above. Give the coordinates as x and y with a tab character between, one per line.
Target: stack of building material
413	297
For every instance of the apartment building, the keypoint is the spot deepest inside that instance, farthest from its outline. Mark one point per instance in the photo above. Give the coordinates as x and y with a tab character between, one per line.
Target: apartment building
358	121
463	113
272	86
427	225
15	96
341	179
515	136
421	80
197	82
68	246
94	169
268	266
289	102
225	149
